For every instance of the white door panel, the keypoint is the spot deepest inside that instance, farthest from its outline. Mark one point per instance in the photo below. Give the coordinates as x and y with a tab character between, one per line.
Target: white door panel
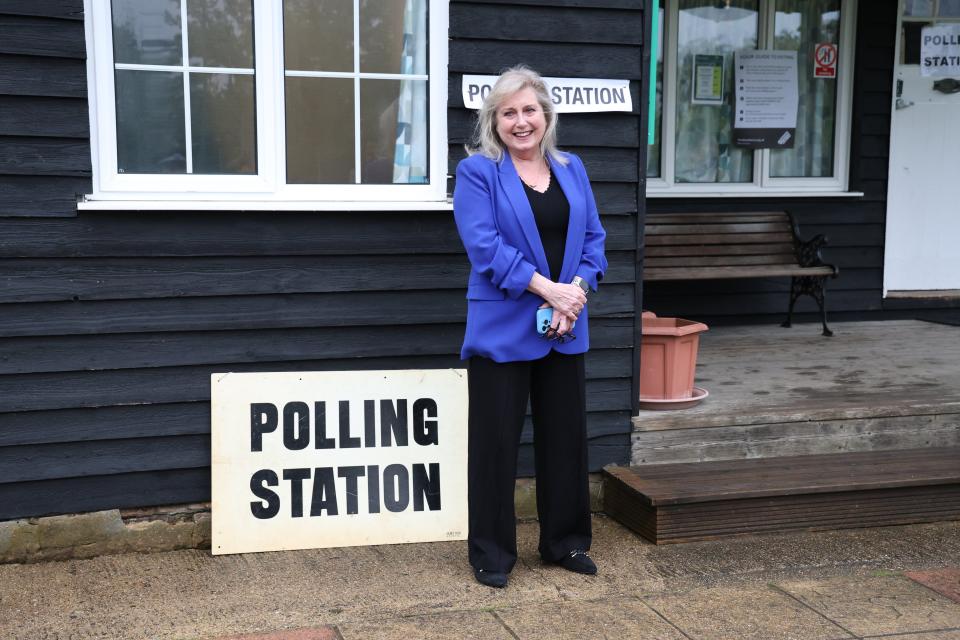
923	199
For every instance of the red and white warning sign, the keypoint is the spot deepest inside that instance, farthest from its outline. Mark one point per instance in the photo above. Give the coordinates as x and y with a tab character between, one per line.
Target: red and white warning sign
825	60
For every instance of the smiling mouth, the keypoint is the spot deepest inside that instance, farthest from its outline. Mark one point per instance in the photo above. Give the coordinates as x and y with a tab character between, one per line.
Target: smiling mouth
523	134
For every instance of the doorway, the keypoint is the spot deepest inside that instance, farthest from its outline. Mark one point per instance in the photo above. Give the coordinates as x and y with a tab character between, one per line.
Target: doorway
922	254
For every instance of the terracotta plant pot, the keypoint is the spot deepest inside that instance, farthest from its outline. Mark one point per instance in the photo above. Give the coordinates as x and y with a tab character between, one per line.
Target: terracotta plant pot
668	357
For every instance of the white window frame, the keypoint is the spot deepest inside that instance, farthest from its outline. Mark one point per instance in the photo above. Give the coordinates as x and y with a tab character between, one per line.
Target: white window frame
267	189
762	185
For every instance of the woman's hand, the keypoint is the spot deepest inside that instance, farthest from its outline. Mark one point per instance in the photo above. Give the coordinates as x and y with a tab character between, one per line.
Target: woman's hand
559	324
567	299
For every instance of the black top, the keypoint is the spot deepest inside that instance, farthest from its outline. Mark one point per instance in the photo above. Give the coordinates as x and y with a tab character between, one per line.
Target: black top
552	213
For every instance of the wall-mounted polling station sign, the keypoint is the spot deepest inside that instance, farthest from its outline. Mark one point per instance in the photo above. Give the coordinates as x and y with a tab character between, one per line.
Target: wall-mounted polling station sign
940	50
330	459
569	95
766	99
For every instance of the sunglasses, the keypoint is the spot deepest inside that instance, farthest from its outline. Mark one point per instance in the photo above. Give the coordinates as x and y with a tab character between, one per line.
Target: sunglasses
552	335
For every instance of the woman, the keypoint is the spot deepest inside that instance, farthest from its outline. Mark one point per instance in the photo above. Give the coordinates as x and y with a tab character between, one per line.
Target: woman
528	220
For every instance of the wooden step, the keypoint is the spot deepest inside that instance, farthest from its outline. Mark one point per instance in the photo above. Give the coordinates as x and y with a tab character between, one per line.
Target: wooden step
698	501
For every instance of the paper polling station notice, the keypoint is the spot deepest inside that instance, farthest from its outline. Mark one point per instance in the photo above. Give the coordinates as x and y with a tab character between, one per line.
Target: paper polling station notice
940	50
766	90
569	95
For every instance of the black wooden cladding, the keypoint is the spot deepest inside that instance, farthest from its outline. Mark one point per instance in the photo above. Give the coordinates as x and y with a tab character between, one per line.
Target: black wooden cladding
24	35
50	280
65	9
249	234
256	312
45	391
551	59
35	428
78	494
113	322
40	76
39	196
525	24
44	117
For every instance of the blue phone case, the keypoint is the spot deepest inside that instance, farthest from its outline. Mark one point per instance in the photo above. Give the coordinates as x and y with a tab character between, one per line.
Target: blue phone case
544	317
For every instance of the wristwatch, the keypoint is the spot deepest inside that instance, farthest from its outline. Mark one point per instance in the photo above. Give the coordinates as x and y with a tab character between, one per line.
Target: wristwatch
580	282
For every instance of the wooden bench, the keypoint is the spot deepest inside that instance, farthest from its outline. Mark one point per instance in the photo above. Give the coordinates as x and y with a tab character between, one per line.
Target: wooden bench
702	500
706	246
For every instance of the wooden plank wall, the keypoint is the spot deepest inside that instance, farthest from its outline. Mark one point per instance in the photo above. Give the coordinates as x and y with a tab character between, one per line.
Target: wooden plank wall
111	323
854	226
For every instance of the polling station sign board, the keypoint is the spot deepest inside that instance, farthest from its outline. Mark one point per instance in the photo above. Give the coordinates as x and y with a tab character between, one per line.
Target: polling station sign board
332	459
766	99
940	50
569	95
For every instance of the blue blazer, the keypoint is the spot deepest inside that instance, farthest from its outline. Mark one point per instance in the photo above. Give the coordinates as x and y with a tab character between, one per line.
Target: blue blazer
500	235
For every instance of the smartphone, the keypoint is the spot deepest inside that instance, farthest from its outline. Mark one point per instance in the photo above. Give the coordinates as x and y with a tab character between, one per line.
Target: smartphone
544	318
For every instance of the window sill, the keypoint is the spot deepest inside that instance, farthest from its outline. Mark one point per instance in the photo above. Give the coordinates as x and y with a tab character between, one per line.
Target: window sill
260	205
758	193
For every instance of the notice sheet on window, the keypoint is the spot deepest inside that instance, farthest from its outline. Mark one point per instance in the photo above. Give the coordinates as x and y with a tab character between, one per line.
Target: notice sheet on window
707	79
940	50
766	90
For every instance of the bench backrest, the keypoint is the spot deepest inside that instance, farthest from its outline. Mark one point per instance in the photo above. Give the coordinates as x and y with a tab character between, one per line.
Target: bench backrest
719	239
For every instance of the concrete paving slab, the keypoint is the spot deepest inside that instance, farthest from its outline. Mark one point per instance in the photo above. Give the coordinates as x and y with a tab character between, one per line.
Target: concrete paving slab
623	560
877	605
931	635
621	617
946	581
463	625
744	613
191	594
324	633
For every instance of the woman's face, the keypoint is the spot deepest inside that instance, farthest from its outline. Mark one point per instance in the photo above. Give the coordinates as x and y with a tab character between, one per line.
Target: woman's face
521	123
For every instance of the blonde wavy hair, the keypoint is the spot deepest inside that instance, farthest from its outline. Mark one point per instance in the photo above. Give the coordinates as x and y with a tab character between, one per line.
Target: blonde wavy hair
485	140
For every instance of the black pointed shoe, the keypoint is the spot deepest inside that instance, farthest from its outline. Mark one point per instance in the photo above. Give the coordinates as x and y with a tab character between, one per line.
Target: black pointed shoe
493	579
579	562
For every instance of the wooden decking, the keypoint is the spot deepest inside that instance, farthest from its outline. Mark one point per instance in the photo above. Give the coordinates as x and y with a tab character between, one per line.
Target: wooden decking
784	392
801	432
696	501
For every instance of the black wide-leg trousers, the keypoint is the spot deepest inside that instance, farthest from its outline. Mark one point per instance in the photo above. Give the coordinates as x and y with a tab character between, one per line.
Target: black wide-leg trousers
498	401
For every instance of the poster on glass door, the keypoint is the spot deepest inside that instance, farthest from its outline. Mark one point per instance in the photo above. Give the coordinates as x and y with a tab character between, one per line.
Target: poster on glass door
707	79
766	98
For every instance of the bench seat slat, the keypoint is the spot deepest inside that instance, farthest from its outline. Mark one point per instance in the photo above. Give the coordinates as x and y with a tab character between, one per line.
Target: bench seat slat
719	261
687	218
721	239
720	273
709	230
719	250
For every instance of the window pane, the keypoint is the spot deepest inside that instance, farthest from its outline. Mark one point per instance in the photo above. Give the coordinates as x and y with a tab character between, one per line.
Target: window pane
393	36
918	7
320	130
949	8
150	125
220	33
147	32
704	152
318	35
653	150
393	131
223	123
801	25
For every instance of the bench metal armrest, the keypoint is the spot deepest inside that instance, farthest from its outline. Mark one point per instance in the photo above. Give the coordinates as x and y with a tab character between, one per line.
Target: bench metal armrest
808	251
